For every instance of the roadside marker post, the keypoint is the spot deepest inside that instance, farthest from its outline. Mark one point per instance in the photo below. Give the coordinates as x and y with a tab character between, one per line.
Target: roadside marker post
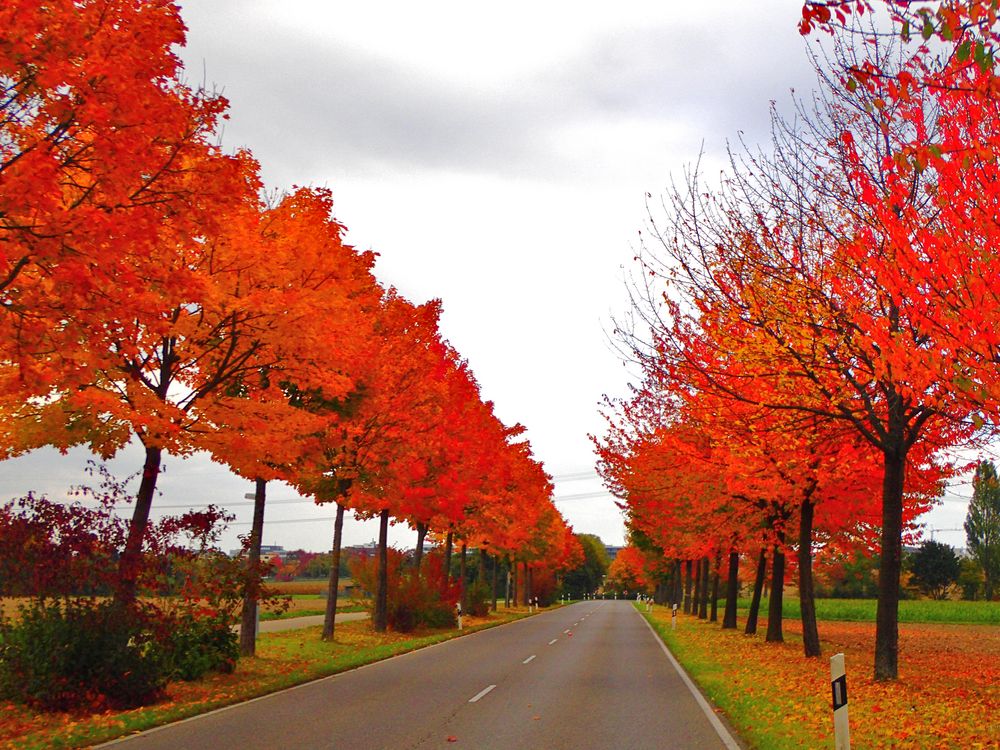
673	617
838	682
458	606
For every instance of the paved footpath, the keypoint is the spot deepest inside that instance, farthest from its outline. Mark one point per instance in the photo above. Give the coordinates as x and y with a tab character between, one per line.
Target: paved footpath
296	623
587	675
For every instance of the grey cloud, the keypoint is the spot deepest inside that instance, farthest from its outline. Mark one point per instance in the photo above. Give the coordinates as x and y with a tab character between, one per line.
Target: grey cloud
297	102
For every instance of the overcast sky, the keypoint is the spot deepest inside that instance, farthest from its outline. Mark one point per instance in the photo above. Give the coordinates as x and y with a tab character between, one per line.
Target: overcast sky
497	157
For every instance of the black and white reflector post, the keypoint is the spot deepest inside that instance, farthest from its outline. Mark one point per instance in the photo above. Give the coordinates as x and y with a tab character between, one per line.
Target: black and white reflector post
838	681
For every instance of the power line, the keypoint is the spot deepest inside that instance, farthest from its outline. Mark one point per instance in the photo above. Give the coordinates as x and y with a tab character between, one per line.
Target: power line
583	496
287	520
220	504
576	476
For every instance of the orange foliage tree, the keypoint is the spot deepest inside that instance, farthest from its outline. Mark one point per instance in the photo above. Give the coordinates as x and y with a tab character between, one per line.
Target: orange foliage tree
780	295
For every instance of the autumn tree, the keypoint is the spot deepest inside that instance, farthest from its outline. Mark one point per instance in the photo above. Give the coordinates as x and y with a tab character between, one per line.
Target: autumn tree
118	213
627	572
324	295
107	162
947	264
781	294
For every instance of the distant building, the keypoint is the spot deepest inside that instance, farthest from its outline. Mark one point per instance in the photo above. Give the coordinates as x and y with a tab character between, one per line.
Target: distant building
612	552
267	552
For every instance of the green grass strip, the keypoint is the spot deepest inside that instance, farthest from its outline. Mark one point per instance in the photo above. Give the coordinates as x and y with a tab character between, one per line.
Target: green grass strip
910	610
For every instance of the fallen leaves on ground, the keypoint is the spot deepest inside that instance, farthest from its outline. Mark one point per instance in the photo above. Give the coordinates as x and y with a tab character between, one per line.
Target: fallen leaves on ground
947	694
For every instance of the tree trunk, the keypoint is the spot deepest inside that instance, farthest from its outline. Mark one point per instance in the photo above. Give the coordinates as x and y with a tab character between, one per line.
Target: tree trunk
775	601
677	589
887	613
758	587
527	584
688	583
807	594
732	590
714	604
248	620
496	579
511	582
461	578
130	561
703	602
333	585
696	599
448	543
380	619
418	553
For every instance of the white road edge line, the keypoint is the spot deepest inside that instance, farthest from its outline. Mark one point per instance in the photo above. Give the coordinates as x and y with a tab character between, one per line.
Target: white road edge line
529	659
481	693
553	641
720	729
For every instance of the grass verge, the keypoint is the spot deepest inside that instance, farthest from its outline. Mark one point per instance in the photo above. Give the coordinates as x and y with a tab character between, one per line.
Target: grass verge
910	610
283	660
947	696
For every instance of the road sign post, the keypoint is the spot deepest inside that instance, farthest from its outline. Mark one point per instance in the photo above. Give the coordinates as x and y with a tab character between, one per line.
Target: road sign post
838	682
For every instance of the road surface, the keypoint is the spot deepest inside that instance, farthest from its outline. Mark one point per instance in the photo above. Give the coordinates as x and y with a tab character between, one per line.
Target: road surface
587	675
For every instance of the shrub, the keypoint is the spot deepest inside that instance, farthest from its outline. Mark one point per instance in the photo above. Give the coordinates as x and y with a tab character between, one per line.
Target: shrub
414	599
198	646
75	653
85	653
478	598
543	586
418	601
934	568
68	648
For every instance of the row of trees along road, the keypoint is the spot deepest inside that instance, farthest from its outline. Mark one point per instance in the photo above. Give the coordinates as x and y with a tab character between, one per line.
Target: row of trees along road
151	292
817	328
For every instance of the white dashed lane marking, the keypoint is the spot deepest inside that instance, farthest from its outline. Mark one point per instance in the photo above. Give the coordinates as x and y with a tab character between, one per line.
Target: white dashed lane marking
481	693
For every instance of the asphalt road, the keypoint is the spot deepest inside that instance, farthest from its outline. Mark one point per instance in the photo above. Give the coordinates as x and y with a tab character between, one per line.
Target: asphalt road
588	675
